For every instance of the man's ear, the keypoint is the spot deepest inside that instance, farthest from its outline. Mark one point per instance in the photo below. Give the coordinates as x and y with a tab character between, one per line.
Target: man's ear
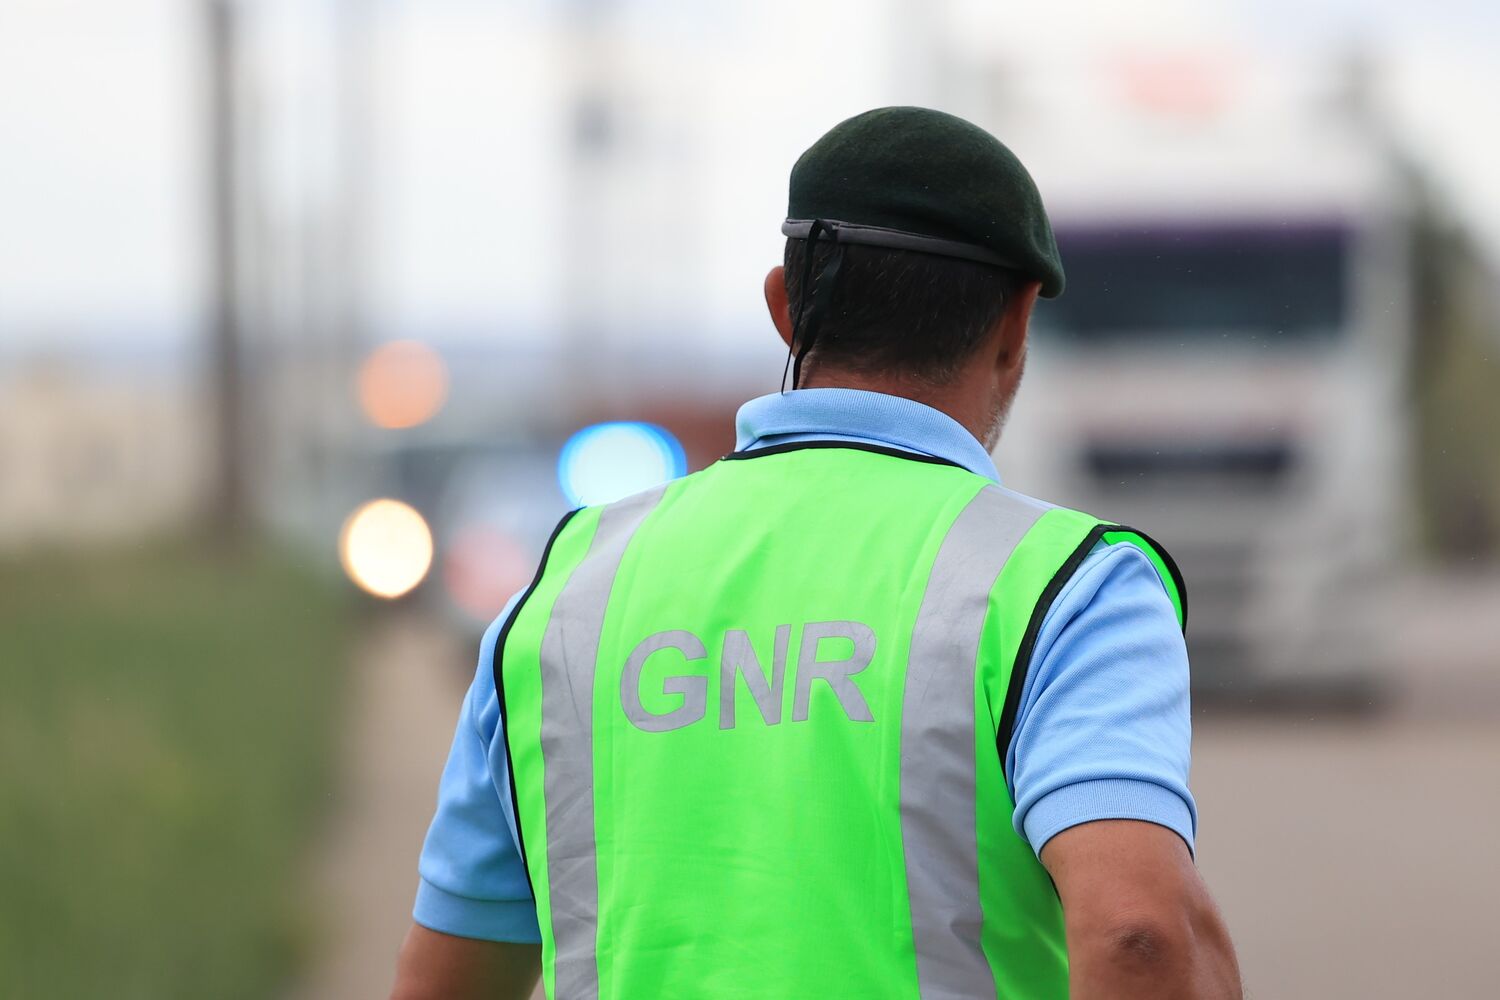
1013	325
776	302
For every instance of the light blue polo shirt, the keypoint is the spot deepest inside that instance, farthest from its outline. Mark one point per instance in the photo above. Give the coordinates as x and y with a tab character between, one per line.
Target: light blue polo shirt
1103	730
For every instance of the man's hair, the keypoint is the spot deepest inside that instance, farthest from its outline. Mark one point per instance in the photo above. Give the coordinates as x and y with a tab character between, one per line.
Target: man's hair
898	311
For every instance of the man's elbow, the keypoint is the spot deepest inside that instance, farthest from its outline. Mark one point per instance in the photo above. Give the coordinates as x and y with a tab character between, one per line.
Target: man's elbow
1149	942
1183	952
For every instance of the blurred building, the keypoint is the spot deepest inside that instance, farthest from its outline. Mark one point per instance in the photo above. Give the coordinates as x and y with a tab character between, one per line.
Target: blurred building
88	456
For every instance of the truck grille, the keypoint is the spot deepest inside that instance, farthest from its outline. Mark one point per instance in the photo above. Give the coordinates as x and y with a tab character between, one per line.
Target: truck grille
1226	466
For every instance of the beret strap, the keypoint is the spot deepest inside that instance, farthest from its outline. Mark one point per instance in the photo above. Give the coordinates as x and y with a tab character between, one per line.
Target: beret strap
893	239
814	305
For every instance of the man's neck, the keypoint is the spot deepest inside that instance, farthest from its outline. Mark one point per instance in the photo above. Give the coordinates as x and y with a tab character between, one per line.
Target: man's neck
956	400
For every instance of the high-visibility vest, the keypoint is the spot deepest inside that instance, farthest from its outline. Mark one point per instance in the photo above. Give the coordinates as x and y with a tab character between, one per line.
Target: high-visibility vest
756	721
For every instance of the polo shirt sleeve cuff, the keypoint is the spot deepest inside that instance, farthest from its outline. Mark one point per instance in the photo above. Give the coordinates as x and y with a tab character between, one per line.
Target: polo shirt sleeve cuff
510	920
1107	798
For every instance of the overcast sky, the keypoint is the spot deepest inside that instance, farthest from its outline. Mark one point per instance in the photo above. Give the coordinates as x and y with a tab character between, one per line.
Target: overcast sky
100	101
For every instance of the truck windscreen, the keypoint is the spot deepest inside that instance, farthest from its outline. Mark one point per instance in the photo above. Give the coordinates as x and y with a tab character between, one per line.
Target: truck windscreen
1259	282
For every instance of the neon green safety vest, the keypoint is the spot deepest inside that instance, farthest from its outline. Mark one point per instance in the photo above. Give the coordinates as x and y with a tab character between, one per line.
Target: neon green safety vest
757	720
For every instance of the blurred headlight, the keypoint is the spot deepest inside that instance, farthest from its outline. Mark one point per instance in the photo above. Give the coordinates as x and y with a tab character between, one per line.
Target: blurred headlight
386	547
608	462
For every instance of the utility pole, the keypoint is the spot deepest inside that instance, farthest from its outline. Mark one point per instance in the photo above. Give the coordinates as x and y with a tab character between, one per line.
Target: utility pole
593	111
228	503
352	201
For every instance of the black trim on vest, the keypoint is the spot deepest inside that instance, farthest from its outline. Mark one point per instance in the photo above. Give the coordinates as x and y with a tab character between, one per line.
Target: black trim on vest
497	661
1054	587
1172	570
782	449
1022	664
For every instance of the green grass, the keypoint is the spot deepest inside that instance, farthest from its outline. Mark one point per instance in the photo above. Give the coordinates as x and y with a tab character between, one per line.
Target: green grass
167	731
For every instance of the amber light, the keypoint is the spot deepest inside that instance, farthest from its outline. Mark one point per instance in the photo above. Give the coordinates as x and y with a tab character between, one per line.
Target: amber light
402	384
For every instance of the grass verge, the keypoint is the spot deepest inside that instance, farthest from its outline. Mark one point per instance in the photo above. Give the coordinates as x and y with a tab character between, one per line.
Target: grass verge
168	726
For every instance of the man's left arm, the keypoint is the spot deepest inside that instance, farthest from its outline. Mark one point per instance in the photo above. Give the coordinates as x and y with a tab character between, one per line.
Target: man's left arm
1140	922
1099	767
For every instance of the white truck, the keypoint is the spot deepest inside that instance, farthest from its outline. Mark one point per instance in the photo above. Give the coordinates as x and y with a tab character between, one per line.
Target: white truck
1227	372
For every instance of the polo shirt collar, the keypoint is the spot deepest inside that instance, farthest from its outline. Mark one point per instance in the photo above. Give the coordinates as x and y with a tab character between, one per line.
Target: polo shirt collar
860	416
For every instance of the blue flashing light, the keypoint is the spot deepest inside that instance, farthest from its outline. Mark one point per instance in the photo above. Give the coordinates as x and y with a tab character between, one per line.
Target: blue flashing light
608	462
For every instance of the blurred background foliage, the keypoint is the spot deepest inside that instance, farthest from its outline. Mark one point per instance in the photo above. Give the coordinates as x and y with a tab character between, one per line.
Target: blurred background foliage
1456	392
166	740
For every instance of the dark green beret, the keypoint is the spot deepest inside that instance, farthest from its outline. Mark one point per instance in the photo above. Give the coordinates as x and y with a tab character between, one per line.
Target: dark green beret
917	179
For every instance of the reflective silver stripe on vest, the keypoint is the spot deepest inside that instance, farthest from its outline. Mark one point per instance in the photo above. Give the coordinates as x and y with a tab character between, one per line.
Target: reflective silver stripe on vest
570	648
938	784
